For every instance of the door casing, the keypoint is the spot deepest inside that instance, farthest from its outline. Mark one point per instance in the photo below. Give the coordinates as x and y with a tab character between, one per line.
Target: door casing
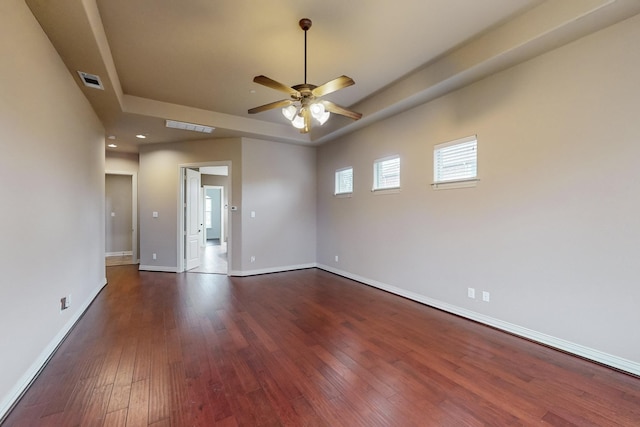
134	210
181	211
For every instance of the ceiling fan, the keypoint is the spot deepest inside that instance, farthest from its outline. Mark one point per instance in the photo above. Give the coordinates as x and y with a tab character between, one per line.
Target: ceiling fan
305	103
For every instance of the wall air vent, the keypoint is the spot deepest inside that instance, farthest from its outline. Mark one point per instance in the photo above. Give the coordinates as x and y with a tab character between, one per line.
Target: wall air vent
91	80
189	126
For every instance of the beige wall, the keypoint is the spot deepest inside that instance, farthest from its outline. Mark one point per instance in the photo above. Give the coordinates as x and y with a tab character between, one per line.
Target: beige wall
122	162
158	189
552	230
52	169
217	180
279	185
275	180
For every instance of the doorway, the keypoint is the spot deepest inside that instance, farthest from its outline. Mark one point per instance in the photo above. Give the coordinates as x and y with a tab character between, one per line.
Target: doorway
206	214
121	218
213	256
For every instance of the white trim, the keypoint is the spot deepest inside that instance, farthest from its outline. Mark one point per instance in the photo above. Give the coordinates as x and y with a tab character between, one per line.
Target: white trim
158	268
271	270
455	183
551	341
374	188
335	182
447	185
122	253
41	361
390	190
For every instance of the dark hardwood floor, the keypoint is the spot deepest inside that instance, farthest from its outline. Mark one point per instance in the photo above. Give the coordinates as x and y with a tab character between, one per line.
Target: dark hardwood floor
304	348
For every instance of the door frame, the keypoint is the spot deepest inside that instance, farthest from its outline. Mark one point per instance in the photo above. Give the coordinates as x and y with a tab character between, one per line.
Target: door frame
134	211
222	207
181	211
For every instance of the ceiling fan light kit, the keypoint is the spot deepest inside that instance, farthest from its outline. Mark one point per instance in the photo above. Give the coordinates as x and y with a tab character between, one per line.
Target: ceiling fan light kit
305	103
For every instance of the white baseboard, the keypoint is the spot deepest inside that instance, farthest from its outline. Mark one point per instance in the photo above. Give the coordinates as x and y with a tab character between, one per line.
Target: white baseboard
121	253
25	381
551	341
271	270
158	268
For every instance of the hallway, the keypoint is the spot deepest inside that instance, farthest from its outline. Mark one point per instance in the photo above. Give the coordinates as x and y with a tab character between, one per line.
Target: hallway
213	258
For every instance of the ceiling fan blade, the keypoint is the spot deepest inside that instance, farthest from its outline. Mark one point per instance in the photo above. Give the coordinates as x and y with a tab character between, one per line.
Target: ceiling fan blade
333	85
266	81
270	106
335	108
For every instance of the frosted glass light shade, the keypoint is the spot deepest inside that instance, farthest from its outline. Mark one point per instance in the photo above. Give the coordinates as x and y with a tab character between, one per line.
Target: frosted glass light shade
298	122
289	112
317	110
323	118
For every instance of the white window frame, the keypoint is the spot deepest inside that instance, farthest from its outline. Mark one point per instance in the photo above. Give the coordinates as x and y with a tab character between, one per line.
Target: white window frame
465	181
208	202
376	185
337	191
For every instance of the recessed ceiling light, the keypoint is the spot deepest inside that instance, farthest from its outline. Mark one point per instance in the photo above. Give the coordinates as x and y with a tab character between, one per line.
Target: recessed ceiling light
252	91
111	137
141	136
112	146
188	126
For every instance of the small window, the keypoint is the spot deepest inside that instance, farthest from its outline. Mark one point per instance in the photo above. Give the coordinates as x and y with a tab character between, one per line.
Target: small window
344	181
456	161
386	173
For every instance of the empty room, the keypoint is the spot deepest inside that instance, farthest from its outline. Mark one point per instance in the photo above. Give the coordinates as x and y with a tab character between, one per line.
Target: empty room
414	213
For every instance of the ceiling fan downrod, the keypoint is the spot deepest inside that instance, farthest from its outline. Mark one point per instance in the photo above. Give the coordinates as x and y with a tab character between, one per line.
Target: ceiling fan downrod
305	24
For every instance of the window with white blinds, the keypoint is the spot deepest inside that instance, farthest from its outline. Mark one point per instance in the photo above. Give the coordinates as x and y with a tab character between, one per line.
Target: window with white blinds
386	173
456	161
344	181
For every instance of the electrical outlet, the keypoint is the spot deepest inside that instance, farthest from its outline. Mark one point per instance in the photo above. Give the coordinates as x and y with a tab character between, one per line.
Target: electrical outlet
337	259
471	292
65	302
253	259
154	256
486	297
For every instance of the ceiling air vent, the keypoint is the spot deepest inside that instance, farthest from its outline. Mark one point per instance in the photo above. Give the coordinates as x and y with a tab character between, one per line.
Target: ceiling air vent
189	126
91	80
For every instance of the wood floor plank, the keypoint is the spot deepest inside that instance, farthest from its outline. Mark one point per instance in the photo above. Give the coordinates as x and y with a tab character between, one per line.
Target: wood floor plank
116	418
121	391
304	348
96	408
138	410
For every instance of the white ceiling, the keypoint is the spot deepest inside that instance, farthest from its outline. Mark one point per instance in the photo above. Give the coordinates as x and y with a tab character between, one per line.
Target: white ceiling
194	60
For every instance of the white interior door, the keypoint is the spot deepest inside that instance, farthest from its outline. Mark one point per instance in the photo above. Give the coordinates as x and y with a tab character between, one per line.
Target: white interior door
193	229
